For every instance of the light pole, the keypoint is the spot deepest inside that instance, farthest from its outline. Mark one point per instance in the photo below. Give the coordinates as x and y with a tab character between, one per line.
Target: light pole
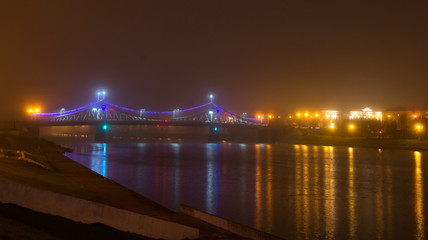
174	112
101	94
419	128
211	98
142	112
211	115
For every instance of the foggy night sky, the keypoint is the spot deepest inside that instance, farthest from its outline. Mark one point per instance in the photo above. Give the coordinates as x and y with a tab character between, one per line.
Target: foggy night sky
271	56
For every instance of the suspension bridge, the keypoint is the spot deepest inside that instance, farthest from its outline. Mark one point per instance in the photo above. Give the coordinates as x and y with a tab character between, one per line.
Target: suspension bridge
102	113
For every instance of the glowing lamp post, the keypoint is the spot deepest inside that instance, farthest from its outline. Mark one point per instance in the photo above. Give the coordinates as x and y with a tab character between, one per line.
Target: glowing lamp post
211	98
351	128
101	95
211	115
174	113
419	129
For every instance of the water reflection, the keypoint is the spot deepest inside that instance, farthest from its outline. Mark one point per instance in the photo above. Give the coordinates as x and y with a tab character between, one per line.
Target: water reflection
257	197
269	195
98	159
419	197
294	191
379	198
351	194
212	178
329	191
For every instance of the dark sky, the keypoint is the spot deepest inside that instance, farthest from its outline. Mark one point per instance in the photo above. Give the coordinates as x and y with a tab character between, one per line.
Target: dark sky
272	56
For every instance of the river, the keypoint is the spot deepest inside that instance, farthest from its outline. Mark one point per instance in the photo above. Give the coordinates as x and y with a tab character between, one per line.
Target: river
292	191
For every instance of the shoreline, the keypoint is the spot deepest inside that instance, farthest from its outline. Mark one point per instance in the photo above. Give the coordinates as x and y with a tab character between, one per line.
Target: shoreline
398	144
72	179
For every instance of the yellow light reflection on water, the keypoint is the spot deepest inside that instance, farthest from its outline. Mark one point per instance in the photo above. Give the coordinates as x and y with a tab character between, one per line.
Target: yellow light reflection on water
315	179
305	207
269	180
258	217
298	189
351	194
329	191
419	197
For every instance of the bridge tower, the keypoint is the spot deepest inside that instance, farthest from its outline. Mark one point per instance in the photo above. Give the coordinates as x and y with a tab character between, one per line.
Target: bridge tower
214	134
100	132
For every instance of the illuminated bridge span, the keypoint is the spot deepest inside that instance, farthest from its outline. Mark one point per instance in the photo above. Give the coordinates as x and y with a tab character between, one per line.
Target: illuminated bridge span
207	120
208	114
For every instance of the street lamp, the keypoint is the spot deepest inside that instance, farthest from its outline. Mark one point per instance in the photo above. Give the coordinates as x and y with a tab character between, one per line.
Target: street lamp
103	93
419	128
174	113
211	97
211	115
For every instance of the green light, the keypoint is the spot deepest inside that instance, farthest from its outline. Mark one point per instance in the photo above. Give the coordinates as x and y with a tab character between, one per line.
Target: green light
215	129
105	127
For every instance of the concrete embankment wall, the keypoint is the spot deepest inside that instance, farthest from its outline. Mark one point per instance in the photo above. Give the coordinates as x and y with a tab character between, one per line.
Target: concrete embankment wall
230	226
88	212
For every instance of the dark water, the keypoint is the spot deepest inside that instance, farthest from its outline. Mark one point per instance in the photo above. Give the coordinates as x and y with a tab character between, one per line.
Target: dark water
292	191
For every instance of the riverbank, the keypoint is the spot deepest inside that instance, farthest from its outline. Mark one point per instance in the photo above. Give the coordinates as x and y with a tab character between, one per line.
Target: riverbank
64	176
403	144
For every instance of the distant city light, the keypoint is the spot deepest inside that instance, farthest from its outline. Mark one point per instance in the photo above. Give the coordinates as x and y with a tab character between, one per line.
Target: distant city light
419	127
105	127
351	127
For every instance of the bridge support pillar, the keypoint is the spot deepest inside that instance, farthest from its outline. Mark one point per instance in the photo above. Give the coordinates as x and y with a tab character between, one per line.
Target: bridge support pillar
214	134
100	132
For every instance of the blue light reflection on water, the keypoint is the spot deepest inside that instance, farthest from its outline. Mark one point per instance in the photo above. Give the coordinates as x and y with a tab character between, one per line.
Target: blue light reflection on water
294	191
99	157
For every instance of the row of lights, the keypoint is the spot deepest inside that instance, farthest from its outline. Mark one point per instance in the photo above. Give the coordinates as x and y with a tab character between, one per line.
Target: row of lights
33	110
351	127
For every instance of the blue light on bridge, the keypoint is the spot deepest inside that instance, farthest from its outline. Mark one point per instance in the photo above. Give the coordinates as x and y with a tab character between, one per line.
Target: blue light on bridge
97	110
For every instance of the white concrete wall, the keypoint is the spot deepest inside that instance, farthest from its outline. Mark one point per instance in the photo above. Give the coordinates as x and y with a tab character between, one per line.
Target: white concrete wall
85	211
230	226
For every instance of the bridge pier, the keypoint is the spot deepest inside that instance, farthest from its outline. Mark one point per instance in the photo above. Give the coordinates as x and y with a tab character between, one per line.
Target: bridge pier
100	132
214	134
